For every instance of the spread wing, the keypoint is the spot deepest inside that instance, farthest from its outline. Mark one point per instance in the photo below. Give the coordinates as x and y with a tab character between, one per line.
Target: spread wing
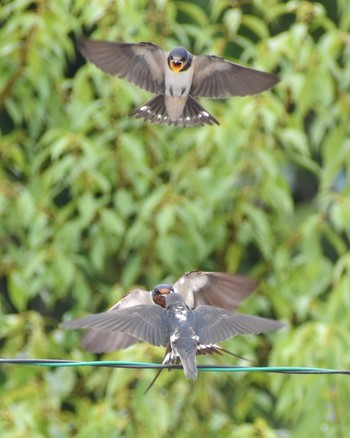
98	341
142	64
218	78
147	323
134	298
214	288
213	324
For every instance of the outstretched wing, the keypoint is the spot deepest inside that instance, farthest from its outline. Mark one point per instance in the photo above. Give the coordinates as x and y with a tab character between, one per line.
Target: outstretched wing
147	323
218	78
133	298
213	324
142	64
98	341
214	288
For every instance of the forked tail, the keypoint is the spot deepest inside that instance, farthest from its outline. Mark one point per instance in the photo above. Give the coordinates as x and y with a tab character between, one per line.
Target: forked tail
193	114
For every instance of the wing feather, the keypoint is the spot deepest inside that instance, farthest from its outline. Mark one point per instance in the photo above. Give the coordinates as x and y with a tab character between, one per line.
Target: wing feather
142	64
213	324
218	78
214	288
98	341
145	322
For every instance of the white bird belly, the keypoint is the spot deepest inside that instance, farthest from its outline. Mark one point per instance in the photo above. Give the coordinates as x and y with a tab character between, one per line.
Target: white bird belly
178	84
177	88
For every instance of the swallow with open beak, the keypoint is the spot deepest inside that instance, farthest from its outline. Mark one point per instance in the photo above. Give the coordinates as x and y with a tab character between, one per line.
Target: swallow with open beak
176	77
197	288
177	325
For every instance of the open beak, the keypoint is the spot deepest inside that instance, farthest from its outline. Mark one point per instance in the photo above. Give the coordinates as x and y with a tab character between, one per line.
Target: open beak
176	66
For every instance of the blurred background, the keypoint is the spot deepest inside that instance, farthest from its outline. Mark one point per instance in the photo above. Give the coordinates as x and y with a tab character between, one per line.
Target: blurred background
93	202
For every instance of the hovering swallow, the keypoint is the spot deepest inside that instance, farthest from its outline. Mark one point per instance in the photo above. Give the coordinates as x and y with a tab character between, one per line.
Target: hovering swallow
197	288
177	325
176	77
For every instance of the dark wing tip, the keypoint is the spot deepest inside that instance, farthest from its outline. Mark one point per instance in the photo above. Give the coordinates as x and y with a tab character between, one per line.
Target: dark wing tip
213	119
261	81
273	79
64	325
85	45
276	78
81	42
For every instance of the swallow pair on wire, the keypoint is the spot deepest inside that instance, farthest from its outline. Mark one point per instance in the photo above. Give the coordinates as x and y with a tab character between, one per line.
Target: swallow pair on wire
176	77
189	317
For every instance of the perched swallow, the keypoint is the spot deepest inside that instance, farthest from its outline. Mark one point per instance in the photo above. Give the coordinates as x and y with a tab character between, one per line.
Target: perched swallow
176	77
177	325
197	288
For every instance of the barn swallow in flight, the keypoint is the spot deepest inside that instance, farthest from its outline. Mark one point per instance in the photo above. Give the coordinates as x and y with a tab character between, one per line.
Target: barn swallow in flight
178	326
197	288
176	77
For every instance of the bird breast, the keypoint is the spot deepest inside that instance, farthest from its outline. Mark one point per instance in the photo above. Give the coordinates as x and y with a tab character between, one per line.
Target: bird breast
178	84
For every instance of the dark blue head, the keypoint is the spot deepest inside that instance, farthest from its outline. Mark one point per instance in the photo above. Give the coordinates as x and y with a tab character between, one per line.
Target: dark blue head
179	59
159	292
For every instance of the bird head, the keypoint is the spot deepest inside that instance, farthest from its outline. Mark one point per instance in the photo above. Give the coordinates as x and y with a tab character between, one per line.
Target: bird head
179	59
159	292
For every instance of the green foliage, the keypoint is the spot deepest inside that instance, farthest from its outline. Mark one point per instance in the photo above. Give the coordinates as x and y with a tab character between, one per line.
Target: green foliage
93	202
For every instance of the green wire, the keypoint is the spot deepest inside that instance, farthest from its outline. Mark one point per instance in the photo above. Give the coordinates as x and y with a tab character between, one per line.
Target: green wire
145	365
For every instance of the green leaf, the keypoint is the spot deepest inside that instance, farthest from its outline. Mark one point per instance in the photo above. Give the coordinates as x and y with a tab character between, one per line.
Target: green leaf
18	290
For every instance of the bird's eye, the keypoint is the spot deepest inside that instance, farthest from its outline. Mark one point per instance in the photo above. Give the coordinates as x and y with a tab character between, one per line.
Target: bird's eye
156	291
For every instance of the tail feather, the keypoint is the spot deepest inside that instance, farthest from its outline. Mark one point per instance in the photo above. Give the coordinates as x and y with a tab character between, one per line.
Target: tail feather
188	359
193	114
172	358
196	114
153	111
153	381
